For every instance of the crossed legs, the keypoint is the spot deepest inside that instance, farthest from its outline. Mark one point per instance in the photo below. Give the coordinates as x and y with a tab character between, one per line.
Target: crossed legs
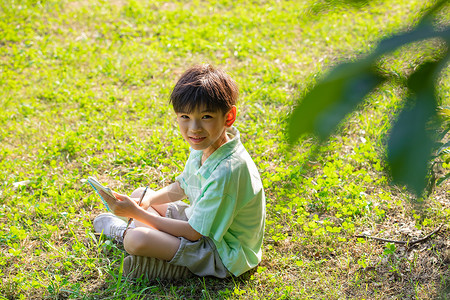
145	240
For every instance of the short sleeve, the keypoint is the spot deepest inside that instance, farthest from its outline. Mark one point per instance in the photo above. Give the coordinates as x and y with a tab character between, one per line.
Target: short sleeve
182	181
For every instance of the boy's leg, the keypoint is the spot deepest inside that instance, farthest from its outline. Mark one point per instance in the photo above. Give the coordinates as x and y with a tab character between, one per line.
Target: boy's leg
160	209
140	224
136	194
145	241
152	260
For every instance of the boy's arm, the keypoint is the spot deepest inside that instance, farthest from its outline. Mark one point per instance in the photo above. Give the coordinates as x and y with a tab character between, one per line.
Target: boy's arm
178	228
171	193
126	207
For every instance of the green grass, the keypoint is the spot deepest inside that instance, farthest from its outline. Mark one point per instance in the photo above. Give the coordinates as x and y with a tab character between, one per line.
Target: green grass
85	87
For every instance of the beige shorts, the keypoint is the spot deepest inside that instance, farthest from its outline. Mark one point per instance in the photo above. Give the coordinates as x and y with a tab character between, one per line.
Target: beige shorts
200	257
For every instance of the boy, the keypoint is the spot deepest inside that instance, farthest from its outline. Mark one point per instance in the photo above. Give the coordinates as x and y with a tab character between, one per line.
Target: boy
221	231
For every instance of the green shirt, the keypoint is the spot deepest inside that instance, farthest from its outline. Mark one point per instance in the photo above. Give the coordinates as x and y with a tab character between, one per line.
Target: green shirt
227	203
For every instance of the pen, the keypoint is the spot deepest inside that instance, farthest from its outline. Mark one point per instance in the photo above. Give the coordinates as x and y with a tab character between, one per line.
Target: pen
140	201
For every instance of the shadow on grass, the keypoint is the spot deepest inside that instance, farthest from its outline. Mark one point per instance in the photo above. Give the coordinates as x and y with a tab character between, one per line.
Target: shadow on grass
192	288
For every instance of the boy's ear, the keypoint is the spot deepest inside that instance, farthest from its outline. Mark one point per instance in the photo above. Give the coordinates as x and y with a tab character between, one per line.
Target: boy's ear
231	116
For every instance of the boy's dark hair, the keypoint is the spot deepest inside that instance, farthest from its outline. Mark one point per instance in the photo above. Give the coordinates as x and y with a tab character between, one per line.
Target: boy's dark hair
206	87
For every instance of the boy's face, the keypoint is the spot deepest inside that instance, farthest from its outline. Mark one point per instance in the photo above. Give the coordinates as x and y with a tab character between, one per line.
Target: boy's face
204	130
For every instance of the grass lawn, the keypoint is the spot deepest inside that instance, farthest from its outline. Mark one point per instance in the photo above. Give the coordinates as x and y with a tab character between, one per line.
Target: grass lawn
84	91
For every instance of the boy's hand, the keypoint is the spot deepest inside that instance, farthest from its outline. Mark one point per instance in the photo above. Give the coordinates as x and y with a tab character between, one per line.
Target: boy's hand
122	205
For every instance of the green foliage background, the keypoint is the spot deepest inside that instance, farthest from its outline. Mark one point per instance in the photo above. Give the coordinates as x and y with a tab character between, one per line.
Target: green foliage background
84	89
416	133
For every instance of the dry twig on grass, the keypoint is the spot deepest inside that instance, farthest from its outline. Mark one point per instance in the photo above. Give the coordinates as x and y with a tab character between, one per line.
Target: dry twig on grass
407	243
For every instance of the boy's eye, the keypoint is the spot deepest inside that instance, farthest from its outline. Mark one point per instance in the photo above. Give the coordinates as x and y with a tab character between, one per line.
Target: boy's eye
184	117
207	117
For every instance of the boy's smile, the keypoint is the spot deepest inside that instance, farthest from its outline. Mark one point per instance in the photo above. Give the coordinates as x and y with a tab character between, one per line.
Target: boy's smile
204	130
197	140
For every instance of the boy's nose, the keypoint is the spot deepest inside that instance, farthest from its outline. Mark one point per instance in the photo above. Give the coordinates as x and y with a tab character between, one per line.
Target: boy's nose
195	126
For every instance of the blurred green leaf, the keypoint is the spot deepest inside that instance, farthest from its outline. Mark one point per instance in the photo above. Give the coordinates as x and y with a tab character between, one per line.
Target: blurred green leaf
424	30
411	141
323	108
415	134
434	9
325	5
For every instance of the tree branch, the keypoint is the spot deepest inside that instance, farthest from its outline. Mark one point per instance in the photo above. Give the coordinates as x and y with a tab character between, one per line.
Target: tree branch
407	243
